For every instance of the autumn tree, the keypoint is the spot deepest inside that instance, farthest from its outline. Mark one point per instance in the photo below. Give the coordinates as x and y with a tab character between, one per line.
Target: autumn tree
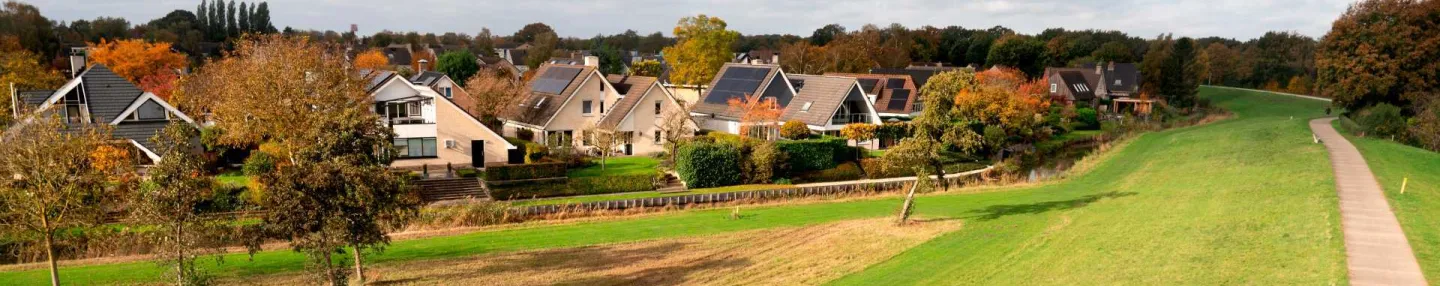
336	191
1380	51
603	140
804	58
1018	52
794	130
371	60
532	32
703	47
650	68
422	54
859	132
541	49
459	65
65	194
757	117
1116	51
136	59
494	94
937	133
1219	63
21	69
171	201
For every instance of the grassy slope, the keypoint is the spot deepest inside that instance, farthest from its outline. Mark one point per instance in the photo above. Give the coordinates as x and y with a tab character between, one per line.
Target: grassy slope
1419	208
642	195
1242	201
617	166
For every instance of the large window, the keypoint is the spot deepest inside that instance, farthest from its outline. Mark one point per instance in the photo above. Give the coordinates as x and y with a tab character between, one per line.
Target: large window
151	111
585	107
415	147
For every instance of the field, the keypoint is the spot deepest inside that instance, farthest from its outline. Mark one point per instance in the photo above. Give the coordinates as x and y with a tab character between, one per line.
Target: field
1249	200
1418	209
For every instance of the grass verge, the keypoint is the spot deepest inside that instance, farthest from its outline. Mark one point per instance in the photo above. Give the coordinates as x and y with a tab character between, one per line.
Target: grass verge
618	166
1418	209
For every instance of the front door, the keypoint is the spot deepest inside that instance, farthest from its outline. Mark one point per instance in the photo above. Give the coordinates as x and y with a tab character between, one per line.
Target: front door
477	153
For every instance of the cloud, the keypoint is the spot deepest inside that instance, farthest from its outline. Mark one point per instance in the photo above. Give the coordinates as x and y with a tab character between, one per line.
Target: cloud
1242	19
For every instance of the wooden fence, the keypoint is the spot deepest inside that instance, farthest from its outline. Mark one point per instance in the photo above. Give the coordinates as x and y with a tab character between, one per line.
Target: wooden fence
797	191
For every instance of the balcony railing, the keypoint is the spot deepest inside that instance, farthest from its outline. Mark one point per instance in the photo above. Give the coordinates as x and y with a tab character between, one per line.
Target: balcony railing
842	119
409	121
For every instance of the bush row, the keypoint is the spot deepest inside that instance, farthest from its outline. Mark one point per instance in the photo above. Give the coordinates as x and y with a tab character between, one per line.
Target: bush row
525	172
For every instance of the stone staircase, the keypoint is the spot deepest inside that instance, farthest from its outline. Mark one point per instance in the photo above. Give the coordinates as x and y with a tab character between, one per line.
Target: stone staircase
672	184
443	189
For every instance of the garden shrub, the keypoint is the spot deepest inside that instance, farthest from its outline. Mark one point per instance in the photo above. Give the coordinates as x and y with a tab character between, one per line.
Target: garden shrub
765	162
875	168
258	163
467	173
1382	120
708	165
844	172
525	172
534	152
816	154
794	130
1087	119
525	134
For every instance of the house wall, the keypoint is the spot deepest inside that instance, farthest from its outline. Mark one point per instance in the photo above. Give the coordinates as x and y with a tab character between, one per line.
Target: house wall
454	124
644	121
717	124
570	116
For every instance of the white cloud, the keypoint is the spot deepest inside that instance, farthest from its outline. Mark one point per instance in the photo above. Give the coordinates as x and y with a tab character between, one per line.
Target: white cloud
1241	19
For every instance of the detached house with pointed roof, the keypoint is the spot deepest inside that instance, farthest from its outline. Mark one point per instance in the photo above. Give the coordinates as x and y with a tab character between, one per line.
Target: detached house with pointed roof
824	103
430	128
563	101
894	95
97	95
642	114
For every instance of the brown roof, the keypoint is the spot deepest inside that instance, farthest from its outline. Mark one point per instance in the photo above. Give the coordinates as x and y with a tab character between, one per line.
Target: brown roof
632	88
548	104
883	94
824	93
719	106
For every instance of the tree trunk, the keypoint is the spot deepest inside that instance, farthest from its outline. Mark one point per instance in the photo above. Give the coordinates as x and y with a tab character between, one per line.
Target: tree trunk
940	176
359	266
905	209
50	253
179	256
329	270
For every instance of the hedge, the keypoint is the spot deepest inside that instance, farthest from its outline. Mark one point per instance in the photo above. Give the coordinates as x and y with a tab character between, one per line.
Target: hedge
707	165
525	172
844	172
575	187
816	154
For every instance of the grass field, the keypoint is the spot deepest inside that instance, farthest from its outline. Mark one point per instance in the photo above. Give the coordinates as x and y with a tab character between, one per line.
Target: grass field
642	195
618	166
1418	209
1244	201
233	178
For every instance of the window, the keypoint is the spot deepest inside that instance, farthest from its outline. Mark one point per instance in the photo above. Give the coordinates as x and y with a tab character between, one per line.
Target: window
415	147
150	111
447	93
585	107
1117	82
73	114
658	136
414	108
806	107
1054	88
541	101
657	107
602	107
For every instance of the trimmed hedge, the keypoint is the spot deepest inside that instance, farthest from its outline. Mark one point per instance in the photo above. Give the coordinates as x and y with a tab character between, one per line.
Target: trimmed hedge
707	165
844	172
575	187
816	154
1087	119
525	172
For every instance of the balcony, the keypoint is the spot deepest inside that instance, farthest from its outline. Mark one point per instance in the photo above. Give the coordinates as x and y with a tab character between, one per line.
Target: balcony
842	119
409	121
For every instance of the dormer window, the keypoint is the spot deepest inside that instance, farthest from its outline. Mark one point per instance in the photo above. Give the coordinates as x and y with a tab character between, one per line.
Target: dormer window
1117	82
150	111
538	103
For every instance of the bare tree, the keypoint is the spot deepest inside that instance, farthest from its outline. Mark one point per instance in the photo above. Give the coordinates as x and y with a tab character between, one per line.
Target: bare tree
604	140
674	126
171	203
494	93
51	182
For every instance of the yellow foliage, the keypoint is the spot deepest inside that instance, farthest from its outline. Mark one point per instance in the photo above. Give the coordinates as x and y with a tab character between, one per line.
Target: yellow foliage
111	159
372	60
136	59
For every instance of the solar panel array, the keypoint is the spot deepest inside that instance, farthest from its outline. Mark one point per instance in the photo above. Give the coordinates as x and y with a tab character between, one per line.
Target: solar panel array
555	80
894	84
736	82
868	84
898	97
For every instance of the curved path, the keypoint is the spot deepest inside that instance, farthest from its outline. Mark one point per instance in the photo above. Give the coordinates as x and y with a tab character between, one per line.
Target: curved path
1375	246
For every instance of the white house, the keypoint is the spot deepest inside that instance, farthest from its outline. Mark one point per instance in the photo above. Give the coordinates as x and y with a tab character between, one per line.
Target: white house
430	129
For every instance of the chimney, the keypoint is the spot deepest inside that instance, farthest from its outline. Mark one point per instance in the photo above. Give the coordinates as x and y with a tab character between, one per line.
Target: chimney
77	61
592	61
1112	66
1099	66
422	65
775	58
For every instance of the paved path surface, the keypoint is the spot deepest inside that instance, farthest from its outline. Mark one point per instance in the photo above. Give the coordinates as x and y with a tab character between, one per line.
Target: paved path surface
1375	246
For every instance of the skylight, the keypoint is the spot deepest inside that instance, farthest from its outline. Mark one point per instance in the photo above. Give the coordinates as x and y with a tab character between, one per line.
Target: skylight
806	107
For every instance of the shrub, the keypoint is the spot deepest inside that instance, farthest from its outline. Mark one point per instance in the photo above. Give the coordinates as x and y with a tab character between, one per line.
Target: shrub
467	173
1087	119
795	130
844	172
816	154
1382	120
525	172
1426	125
707	165
765	162
258	163
875	168
534	152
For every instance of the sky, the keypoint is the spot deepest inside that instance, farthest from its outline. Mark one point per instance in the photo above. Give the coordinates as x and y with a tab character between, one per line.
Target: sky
1239	19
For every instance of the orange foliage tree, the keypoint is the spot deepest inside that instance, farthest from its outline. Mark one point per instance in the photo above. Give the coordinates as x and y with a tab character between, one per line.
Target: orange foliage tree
371	60
756	116
1006	98
136	59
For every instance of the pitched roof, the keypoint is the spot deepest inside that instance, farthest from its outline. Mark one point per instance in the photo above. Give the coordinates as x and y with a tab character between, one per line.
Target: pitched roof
712	102
540	106
920	75
377	78
1127	73
398	54
108	93
888	90
1079	87
824	94
632	89
34	98
426	78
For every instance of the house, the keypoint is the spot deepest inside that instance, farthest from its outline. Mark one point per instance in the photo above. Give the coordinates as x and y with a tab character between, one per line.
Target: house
563	100
514	53
447	87
824	103
398	54
431	129
758	56
500	65
919	74
1120	79
96	95
894	96
1073	85
642	113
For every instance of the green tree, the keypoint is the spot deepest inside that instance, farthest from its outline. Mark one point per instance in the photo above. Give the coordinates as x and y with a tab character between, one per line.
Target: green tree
1180	78
532	32
244	19
1020	52
610	60
171	201
64	194
34	32
1152	67
703	46
1115	51
541	49
459	65
825	34
231	28
650	68
937	133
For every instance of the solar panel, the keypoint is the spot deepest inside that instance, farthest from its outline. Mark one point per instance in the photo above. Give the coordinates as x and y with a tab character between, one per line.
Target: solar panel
898	97
894	84
555	80
868	84
736	82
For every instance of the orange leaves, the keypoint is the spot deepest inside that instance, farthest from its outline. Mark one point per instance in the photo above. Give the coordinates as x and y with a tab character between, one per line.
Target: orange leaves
135	59
371	60
111	158
763	112
1003	97
161	84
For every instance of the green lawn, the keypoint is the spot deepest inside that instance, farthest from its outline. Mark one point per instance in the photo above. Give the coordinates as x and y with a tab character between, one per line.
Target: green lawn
233	177
618	166
642	195
1418	209
1244	201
